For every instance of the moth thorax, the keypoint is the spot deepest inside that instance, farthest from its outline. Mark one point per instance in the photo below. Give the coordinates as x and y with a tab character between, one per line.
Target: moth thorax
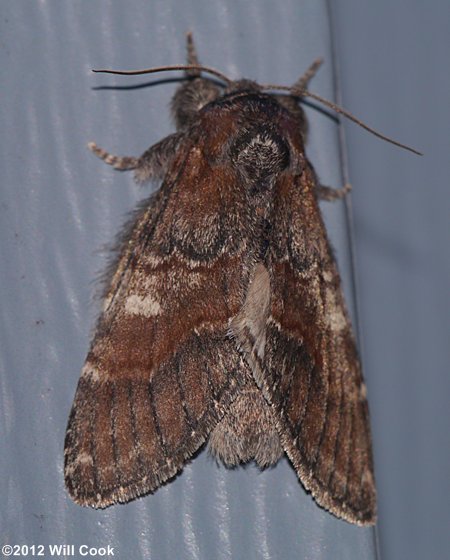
260	154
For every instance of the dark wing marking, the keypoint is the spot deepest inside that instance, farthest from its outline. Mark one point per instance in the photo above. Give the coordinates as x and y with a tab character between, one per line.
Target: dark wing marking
161	370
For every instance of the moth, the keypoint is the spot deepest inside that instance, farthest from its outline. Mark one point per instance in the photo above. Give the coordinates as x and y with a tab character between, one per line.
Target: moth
224	320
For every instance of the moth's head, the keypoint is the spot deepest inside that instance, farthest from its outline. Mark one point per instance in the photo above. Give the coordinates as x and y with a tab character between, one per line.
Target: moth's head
197	92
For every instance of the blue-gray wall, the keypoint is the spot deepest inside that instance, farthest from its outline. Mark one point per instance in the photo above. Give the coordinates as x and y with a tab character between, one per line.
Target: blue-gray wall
394	70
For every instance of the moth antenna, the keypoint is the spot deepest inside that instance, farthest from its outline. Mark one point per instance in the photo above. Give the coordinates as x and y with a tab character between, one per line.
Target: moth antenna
297	89
298	92
186	67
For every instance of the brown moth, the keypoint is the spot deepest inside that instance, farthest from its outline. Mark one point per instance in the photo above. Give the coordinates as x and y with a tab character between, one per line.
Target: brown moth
224	319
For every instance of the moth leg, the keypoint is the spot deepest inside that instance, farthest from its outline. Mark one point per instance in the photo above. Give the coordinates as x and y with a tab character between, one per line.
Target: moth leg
118	162
291	102
152	164
329	193
303	81
192	57
194	94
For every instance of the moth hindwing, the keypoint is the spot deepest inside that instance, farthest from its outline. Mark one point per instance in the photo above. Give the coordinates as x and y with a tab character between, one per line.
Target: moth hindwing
224	319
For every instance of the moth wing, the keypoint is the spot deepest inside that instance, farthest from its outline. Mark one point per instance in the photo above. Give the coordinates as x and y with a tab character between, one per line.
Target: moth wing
161	370
304	357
